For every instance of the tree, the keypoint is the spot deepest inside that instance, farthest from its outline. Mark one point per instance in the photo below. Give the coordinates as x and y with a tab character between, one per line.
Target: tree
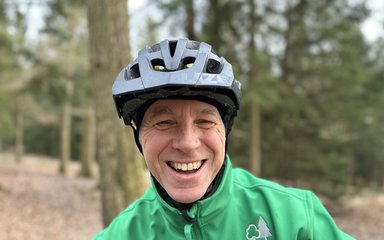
121	170
368	164
60	69
73	21
13	76
254	107
9	67
182	12
19	109
322	65
88	150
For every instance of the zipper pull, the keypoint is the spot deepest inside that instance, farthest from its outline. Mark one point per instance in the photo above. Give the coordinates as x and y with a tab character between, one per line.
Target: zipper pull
188	231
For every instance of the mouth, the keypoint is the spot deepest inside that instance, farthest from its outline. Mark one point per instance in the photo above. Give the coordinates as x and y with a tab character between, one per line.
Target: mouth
190	167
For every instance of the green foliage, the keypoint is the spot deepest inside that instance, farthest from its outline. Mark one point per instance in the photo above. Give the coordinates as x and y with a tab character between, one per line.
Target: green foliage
57	58
48	143
314	112
6	119
174	13
9	72
61	68
318	84
324	67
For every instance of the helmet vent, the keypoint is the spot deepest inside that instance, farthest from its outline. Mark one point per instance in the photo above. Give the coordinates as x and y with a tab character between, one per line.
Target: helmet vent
187	62
172	47
158	64
213	66
134	72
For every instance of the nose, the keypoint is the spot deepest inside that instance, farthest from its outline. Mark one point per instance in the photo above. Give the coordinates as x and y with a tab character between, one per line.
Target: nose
187	138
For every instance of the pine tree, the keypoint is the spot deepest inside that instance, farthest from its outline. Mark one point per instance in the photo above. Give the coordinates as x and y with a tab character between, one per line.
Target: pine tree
321	66
181	14
12	77
263	229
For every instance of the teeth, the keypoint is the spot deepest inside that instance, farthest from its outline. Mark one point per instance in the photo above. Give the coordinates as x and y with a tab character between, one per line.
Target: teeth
186	166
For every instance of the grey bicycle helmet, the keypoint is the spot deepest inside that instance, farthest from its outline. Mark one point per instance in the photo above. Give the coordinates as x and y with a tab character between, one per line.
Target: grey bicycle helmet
180	69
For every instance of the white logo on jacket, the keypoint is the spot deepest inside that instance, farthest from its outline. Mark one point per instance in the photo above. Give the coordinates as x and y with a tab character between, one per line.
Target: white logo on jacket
259	232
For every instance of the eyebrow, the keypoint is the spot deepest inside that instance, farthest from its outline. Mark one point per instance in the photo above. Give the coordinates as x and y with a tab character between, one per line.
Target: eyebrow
210	111
160	111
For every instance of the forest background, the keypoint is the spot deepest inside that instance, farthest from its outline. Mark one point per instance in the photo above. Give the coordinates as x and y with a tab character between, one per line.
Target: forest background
312	111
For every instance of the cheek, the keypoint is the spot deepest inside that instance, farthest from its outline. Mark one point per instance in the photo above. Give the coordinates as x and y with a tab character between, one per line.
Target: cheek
152	143
220	132
149	150
216	140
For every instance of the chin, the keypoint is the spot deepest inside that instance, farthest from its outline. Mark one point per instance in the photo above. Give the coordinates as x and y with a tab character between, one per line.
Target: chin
182	197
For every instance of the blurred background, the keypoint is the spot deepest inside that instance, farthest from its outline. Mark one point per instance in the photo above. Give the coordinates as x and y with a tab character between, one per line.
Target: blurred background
311	116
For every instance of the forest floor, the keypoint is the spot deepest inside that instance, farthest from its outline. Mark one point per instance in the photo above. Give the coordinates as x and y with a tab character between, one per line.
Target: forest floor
36	203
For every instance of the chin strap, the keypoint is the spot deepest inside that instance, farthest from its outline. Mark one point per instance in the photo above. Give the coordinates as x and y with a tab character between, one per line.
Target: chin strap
136	134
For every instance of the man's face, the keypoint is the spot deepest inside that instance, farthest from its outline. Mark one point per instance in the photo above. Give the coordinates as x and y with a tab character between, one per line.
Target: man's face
183	144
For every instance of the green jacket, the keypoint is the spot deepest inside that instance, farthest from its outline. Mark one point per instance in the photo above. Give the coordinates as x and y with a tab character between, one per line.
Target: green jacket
243	207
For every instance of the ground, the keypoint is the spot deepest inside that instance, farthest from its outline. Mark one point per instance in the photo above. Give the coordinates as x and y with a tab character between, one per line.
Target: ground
36	203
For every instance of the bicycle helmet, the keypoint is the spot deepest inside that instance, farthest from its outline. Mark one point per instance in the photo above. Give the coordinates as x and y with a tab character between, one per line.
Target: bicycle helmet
176	69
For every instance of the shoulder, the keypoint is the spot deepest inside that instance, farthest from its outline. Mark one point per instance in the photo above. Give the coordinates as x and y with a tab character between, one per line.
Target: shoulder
248	182
137	213
144	202
278	202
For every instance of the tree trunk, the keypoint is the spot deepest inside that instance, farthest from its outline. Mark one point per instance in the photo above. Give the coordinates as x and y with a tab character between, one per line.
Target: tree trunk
190	21
19	146
255	140
109	52
88	148
214	25
132	186
255	124
66	129
68	82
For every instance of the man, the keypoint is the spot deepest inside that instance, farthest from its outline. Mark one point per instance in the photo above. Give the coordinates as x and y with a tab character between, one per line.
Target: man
180	99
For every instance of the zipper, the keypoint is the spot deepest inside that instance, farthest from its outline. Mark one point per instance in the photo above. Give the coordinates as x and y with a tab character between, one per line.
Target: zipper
188	231
188	227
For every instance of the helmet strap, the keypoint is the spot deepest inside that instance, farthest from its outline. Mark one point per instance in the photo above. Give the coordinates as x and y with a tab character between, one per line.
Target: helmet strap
136	135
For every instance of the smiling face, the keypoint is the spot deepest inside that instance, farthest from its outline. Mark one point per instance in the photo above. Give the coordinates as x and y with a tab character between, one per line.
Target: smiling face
183	144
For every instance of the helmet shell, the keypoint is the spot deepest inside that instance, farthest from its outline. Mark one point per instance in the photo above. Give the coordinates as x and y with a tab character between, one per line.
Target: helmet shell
175	69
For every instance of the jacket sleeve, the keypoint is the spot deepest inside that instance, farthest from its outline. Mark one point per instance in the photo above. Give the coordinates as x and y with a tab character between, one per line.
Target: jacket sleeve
321	224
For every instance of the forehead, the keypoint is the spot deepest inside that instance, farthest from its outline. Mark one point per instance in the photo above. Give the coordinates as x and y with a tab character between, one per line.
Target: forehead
171	106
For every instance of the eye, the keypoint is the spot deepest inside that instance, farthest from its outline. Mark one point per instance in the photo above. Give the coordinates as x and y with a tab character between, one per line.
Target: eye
166	124
205	123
